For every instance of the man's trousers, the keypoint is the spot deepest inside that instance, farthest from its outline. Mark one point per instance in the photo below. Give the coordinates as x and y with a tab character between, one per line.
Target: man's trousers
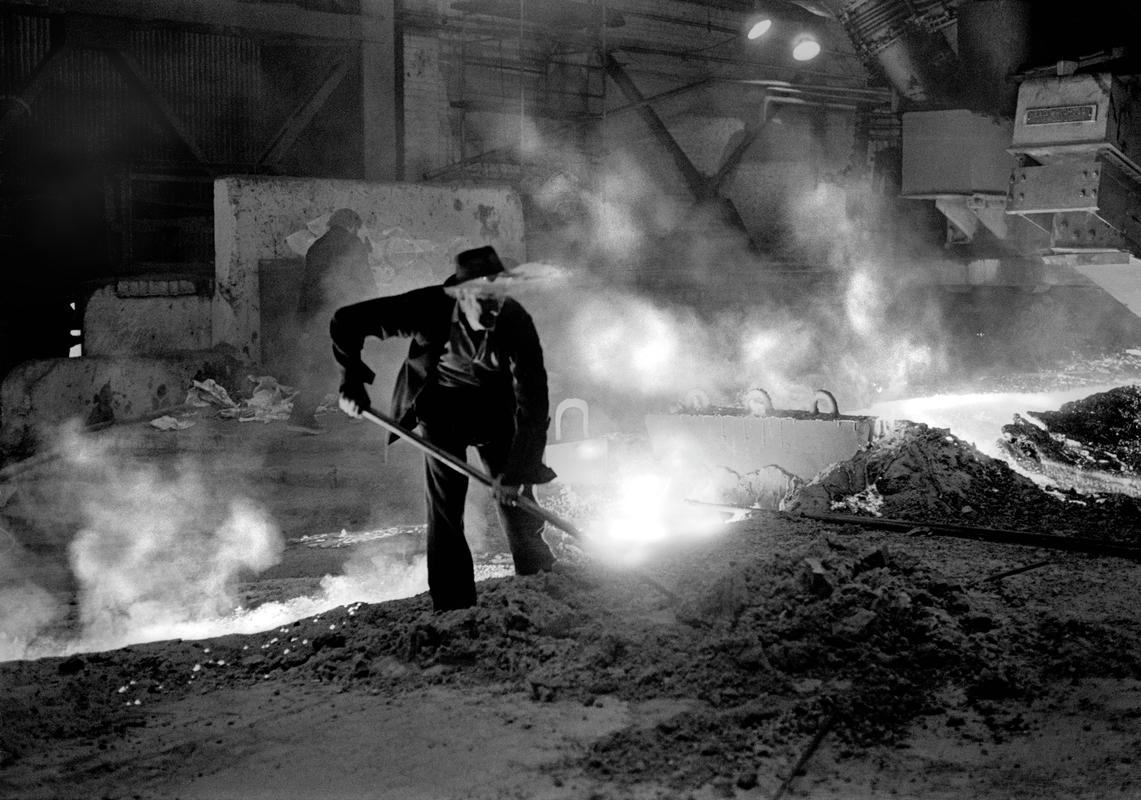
451	576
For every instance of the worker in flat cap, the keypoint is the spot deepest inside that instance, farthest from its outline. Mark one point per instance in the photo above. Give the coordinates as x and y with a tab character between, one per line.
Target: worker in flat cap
474	376
336	272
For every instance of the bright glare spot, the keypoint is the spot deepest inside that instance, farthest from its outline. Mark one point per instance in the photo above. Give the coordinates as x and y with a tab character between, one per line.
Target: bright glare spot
648	512
759	28
978	418
862	302
591	450
759	346
634	343
76	351
636	522
653	354
806	49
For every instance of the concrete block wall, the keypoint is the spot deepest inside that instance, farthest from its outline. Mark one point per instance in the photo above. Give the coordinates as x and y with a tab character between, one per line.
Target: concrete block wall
254	215
173	319
37	396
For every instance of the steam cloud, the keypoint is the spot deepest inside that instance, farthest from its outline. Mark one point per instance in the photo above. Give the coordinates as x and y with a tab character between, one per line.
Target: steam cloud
153	551
852	334
25	610
851	338
146	562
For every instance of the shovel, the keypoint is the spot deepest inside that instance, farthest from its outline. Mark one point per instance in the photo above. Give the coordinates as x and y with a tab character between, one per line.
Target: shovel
526	503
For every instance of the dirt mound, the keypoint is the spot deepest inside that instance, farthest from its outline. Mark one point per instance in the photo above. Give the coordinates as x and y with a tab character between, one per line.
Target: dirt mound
769	651
922	473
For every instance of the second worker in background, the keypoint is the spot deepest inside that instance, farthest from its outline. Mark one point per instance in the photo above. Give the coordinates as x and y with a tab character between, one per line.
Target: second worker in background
336	272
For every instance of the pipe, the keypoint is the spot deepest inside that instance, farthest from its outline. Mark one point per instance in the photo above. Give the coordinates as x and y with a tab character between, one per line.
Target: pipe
902	37
996	535
461	466
822	88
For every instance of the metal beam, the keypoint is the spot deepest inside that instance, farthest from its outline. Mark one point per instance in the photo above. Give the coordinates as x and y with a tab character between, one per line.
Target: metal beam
701	187
697	183
689	87
293	126
1047	541
382	91
27	94
747	63
734	158
463	162
133	73
217	15
578	120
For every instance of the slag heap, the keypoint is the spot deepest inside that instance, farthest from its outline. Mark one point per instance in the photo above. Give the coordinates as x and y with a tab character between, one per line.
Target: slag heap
925	474
1092	444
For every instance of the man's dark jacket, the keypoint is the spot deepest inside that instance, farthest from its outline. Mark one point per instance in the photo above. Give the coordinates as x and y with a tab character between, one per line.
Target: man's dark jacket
336	272
425	316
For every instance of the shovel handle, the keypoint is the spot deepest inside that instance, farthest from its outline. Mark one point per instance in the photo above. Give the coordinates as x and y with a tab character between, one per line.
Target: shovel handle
458	464
522	501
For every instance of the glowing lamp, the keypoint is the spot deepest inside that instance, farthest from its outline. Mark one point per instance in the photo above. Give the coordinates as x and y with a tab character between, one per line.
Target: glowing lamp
805	47
758	26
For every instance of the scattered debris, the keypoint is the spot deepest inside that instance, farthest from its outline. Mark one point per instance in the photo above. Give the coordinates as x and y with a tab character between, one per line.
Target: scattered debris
209	393
169	423
269	401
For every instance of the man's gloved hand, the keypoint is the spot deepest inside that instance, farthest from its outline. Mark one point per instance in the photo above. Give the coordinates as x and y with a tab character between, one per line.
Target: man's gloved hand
353	399
506	494
534	473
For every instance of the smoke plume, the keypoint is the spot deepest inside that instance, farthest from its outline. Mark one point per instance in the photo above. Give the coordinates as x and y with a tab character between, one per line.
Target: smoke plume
26	609
153	549
672	299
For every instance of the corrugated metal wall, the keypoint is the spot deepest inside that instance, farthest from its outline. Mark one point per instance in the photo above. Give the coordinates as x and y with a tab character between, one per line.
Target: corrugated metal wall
84	104
25	40
212	82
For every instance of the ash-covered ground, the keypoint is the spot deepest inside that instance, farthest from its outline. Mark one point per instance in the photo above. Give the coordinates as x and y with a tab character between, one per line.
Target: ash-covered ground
787	657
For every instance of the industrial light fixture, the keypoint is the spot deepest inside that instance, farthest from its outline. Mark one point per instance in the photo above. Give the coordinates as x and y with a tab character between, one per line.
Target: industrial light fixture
758	25
805	47
763	20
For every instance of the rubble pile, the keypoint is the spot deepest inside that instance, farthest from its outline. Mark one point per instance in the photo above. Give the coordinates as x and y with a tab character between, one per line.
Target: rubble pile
1100	434
833	631
916	472
784	629
836	630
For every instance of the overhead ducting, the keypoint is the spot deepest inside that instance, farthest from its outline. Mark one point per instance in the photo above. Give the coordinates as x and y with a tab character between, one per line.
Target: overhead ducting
910	41
937	55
